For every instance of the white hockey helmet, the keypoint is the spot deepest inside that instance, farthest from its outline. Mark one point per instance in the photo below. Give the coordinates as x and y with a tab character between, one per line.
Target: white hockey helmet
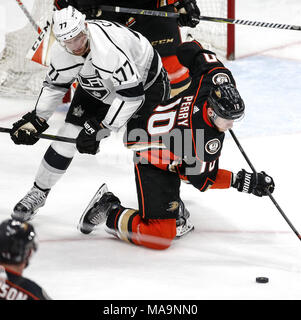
68	23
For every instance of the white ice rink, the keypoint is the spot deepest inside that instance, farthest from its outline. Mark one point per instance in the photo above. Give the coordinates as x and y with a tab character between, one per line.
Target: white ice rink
237	237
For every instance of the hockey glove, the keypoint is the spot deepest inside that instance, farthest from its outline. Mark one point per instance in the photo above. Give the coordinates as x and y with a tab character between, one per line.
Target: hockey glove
86	140
27	130
256	183
192	16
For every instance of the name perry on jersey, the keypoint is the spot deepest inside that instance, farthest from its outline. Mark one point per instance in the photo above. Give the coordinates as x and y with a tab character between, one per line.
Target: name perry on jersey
184	111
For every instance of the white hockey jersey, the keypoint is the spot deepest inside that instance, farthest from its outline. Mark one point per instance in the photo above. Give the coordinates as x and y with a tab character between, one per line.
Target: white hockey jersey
116	72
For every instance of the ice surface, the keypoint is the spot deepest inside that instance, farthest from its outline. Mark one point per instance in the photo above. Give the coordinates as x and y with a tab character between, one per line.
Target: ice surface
237	237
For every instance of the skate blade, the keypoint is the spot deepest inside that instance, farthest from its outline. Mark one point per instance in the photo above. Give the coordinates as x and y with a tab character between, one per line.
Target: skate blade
103	189
182	231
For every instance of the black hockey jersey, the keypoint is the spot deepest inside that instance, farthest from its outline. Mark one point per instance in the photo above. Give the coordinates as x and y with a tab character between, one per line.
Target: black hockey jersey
17	287
177	134
162	33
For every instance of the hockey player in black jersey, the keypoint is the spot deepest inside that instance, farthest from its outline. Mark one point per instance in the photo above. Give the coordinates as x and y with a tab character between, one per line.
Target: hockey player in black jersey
164	34
17	245
180	139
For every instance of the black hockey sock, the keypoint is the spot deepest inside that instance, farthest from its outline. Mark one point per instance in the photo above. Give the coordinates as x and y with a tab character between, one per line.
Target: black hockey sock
55	160
120	223
113	216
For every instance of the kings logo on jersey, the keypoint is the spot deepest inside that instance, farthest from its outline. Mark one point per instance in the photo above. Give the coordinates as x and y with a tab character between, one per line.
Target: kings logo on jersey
94	86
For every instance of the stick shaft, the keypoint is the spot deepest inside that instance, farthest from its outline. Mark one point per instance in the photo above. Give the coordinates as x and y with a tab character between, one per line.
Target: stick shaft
29	17
242	151
46	136
253	23
145	12
283	215
175	15
268	192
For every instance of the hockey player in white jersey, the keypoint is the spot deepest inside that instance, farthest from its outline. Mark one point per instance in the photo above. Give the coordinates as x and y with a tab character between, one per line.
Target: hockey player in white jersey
119	75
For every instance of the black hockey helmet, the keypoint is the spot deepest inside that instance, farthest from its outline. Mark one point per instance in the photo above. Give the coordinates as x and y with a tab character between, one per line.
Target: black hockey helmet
17	239
226	102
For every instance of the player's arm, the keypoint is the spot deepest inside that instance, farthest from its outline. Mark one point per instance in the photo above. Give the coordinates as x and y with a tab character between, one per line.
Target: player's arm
55	86
199	60
60	75
214	178
62	71
204	175
129	96
128	99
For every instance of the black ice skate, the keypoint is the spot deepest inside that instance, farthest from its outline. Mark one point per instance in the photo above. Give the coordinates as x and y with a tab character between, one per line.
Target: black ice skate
184	225
27	207
98	209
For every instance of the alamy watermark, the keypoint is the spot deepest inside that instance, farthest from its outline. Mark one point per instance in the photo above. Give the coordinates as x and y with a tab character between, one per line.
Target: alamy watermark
168	148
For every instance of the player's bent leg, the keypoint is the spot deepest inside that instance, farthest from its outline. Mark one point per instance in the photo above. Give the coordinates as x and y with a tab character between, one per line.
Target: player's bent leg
53	166
127	225
57	158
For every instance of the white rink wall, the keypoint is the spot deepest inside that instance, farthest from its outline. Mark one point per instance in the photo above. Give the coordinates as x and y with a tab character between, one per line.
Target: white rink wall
254	40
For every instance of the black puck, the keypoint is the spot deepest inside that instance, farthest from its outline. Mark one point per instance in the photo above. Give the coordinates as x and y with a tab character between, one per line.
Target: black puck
262	280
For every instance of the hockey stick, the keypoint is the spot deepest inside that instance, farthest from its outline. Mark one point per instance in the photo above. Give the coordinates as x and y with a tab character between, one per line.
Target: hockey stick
29	17
204	18
36	52
268	192
46	136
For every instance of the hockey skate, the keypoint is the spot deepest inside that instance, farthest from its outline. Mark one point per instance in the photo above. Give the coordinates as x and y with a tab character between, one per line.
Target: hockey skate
98	209
184	225
27	207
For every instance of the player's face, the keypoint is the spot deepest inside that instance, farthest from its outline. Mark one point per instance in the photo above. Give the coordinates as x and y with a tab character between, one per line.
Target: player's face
78	45
223	124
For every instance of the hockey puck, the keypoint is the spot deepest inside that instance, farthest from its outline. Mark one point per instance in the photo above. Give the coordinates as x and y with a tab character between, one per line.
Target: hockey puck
262	280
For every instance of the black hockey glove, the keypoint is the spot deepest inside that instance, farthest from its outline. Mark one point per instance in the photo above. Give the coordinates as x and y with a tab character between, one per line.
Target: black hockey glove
27	130
192	16
88	139
256	183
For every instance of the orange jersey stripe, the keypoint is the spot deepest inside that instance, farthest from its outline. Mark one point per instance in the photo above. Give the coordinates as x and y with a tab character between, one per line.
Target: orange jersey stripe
141	191
223	179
